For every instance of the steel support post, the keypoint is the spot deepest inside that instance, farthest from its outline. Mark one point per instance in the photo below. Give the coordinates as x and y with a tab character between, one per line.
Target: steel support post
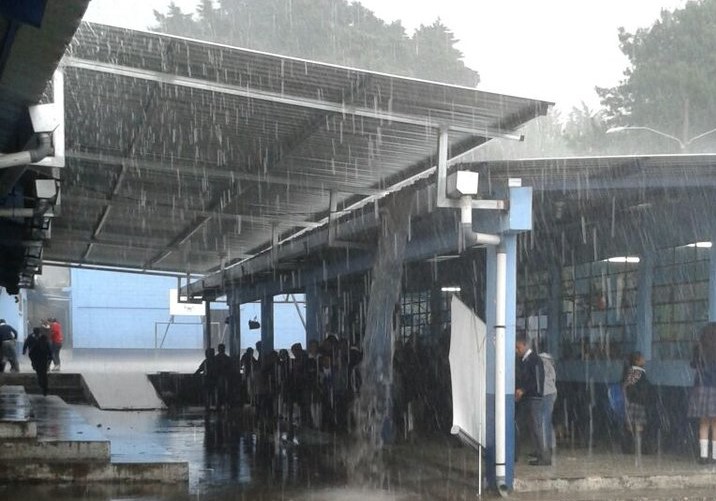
267	335
712	281
490	309
207	324
314	313
644	308
234	325
555	309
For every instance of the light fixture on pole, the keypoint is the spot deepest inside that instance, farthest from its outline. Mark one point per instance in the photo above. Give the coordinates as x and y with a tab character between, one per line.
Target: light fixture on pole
682	144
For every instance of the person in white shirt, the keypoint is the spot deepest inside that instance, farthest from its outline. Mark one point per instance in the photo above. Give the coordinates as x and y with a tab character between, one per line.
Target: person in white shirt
549	396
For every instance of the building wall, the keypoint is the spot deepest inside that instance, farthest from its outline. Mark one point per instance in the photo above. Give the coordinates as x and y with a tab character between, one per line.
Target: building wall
12	311
122	310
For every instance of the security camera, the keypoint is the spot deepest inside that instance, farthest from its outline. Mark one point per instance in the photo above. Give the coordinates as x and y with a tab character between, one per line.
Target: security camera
462	183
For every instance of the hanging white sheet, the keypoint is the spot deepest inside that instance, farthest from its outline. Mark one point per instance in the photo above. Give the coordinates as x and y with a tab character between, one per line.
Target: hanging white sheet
468	360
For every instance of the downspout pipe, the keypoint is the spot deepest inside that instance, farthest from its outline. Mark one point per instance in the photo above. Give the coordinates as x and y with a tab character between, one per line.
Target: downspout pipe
500	362
43	149
472	238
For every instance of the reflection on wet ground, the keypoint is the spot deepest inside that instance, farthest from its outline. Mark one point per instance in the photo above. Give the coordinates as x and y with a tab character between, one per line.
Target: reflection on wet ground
227	462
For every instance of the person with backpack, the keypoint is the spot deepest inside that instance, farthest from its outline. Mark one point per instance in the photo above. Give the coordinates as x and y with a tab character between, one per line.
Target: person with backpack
40	354
636	393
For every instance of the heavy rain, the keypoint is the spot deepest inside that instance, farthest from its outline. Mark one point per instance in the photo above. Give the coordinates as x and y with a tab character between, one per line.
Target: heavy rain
357	250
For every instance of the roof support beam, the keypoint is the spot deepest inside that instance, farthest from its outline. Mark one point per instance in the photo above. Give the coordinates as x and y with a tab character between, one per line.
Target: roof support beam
212	171
282	220
129	151
274	97
178	241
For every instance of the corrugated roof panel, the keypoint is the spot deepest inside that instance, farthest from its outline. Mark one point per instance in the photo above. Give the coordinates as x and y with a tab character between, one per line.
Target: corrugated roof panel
219	144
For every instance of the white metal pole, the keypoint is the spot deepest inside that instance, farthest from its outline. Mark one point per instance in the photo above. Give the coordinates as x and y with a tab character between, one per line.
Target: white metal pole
500	359
443	145
479	471
58	96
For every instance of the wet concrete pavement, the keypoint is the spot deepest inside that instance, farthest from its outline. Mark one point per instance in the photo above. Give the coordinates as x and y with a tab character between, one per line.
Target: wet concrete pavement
227	463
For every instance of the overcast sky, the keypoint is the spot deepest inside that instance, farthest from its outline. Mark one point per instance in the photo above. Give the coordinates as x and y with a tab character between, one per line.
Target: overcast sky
556	50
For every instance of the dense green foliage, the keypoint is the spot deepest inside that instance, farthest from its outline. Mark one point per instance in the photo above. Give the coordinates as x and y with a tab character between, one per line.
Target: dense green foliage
670	84
333	31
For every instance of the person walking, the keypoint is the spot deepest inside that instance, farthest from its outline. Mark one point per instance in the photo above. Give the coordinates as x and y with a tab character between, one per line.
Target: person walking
548	399
8	336
56	339
223	364
528	394
702	400
207	369
30	340
40	356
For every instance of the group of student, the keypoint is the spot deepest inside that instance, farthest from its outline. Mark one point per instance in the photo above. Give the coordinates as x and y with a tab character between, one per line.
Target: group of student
535	384
535	395
315	386
638	394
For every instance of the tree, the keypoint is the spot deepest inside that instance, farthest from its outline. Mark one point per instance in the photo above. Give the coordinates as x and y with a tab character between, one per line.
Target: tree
585	131
333	31
437	57
671	82
175	21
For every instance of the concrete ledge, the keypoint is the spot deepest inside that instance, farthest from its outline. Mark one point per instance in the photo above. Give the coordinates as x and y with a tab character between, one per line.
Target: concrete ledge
28	471
13	430
626	483
59	450
166	473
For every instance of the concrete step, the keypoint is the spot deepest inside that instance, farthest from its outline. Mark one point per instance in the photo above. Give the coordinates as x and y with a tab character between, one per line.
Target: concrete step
70	451
68	386
46	431
43	439
132	472
16	414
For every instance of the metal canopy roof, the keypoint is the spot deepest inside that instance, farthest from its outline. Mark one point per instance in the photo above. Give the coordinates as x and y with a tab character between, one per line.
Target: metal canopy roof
585	208
185	155
592	208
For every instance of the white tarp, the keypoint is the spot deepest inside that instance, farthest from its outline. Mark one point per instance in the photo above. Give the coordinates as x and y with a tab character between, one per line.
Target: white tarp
468	370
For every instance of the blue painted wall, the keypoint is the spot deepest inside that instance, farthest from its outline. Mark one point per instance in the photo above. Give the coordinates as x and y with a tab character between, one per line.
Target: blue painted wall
11	311
120	310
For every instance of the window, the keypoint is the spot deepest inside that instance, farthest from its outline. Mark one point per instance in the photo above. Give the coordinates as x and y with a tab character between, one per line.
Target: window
598	310
532	303
680	300
415	314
